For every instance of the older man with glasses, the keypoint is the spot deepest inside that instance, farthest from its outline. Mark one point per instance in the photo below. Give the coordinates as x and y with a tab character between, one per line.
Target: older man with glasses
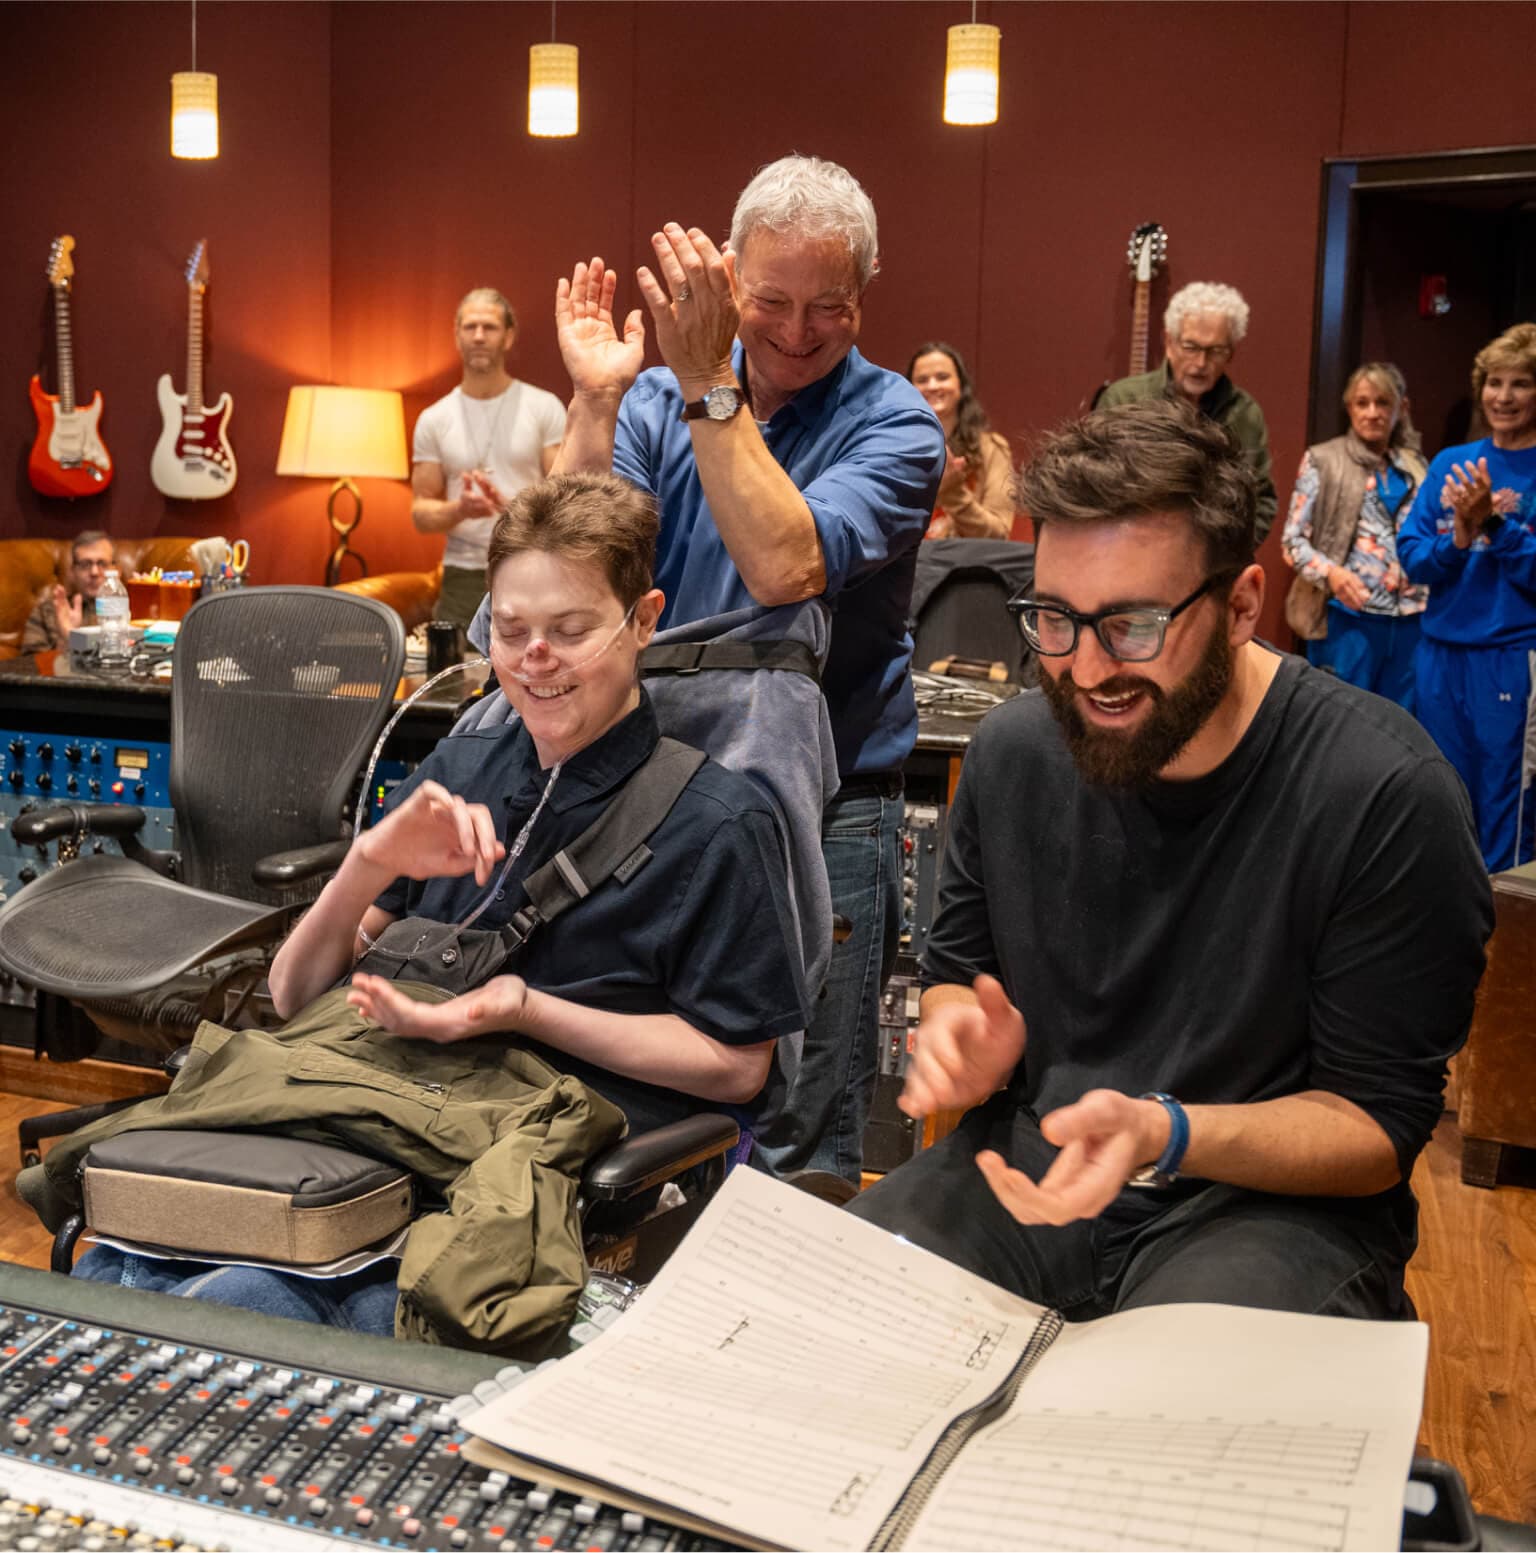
1202	327
1210	926
59	609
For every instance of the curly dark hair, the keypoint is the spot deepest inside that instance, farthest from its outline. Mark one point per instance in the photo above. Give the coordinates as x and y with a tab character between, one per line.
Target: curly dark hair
1155	455
970	419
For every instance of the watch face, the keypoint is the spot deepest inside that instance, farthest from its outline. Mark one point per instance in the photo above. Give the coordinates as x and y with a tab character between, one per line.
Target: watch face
720	404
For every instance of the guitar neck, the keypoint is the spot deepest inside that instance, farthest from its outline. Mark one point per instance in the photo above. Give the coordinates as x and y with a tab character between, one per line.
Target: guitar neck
195	349
1140	318
65	348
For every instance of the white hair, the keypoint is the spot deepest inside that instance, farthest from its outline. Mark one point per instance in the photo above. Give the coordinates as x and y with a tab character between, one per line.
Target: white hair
810	198
1207	296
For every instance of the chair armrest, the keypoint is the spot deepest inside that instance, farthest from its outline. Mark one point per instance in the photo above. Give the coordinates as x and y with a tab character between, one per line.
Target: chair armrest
71	819
279	870
634	1164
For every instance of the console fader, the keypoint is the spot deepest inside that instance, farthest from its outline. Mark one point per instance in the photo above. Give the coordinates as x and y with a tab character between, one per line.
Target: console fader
111	1438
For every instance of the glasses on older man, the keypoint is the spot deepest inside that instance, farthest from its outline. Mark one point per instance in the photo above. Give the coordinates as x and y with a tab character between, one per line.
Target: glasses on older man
1217	353
1127	635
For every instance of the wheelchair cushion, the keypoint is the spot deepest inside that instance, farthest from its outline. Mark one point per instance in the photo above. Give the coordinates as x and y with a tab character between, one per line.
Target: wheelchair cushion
240	1194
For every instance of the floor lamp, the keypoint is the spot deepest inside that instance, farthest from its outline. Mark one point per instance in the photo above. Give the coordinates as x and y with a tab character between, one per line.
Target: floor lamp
344	434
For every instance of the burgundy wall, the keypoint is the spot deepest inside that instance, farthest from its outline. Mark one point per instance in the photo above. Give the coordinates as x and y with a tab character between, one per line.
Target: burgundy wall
86	90
376	166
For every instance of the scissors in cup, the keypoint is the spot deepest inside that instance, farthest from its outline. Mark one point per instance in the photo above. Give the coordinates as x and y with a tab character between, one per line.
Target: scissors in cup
236	558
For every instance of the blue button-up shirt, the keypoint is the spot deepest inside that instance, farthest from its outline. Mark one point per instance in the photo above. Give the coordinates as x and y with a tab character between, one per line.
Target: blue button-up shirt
867	454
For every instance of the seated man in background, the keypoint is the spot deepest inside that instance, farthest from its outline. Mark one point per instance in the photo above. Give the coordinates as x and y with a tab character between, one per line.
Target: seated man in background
1203	325
663	990
59	609
1210	926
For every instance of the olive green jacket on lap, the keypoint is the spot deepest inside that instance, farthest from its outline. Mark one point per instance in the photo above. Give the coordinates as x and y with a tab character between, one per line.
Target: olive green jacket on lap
1227	405
497	1132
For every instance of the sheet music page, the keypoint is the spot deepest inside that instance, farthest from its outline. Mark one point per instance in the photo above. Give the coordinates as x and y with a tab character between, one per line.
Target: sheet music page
785	1375
1196	1426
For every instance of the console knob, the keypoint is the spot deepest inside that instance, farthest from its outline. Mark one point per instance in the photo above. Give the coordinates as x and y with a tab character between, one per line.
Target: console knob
45	751
72	752
44	781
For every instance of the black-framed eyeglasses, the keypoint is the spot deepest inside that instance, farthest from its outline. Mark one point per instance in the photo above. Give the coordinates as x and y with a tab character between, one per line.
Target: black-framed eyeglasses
1217	353
1127	635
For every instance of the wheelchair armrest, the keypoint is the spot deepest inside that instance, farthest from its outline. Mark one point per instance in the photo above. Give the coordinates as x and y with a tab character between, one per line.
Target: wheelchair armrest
70	819
280	869
636	1163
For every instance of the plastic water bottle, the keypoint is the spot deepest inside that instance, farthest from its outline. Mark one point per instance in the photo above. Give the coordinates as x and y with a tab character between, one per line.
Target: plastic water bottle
115	644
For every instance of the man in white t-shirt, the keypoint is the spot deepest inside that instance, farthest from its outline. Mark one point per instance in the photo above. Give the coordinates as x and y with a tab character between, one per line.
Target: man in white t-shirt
477	447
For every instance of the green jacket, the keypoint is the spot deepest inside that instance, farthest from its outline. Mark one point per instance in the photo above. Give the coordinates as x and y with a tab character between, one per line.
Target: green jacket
1228	406
502	1136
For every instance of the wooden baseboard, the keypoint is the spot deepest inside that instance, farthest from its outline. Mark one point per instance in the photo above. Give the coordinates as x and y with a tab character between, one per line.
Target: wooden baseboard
75	1083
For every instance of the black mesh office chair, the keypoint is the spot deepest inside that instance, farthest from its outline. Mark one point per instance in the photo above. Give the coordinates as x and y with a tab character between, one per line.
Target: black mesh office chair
958	598
277	697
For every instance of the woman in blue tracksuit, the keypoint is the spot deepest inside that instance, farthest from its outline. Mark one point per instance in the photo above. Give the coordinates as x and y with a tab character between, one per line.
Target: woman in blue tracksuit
1472	537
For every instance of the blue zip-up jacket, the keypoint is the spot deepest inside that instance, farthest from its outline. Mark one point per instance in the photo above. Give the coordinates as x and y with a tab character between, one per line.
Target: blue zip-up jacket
1484	596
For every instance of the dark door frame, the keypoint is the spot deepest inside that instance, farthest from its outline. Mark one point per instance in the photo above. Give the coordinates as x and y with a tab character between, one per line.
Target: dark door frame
1336	314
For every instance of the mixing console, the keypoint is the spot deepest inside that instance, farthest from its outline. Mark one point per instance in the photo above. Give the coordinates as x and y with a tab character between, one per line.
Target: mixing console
118	1438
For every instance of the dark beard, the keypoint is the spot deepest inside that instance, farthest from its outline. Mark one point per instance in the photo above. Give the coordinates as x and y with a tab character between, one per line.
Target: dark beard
1107	758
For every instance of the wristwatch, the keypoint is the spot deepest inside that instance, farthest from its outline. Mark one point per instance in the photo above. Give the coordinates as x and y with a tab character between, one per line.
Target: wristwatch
719	403
1166	1171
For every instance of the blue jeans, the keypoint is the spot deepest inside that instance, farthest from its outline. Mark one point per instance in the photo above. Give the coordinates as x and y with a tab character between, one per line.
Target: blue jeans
363	1302
821	1126
1196	1241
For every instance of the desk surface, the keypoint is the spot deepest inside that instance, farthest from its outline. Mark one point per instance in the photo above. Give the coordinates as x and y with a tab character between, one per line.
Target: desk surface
65	688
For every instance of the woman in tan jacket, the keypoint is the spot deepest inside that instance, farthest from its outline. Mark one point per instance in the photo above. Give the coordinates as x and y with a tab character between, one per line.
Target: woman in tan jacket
976	494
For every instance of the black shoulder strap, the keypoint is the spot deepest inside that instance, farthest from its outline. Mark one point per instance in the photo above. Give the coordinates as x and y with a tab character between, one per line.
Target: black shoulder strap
691	657
613	846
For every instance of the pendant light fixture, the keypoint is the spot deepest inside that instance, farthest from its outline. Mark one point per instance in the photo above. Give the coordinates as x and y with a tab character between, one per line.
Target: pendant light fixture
194	109
971	73
553	108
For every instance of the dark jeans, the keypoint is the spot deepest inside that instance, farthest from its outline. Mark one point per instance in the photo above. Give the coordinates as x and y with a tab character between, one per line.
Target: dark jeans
363	1302
1193	1242
821	1126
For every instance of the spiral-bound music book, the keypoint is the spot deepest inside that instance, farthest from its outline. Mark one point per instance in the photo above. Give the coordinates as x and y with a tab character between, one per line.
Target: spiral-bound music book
797	1378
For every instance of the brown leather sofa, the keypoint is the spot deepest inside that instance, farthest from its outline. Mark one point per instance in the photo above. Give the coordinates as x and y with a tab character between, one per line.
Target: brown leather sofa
27	566
1496	1069
410	594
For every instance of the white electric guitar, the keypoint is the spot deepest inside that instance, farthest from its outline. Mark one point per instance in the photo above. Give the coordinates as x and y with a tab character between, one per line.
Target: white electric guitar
193	458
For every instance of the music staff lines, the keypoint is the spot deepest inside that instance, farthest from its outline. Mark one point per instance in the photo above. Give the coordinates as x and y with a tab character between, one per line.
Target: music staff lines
1277	1451
704	1447
836	1280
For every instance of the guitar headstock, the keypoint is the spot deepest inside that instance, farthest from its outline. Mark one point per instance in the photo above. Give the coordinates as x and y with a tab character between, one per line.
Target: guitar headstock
197	265
1147	251
61	267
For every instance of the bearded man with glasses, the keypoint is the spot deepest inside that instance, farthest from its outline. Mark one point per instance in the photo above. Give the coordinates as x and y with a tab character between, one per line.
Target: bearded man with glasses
1210	926
1202	328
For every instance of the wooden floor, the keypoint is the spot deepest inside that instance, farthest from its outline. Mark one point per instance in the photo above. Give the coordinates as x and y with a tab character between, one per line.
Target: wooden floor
1474	1282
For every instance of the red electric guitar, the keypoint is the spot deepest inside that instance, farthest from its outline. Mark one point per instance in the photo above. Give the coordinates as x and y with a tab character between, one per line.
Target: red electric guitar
193	458
68	458
1146	252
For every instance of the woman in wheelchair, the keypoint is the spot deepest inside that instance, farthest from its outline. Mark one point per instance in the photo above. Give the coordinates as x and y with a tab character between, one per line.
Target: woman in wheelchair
663	989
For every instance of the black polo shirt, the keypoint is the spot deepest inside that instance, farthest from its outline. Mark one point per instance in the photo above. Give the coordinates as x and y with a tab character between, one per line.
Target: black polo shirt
703	931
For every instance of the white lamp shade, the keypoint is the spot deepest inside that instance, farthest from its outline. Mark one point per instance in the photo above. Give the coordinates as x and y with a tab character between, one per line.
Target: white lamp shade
970	74
552	91
194	115
341	432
